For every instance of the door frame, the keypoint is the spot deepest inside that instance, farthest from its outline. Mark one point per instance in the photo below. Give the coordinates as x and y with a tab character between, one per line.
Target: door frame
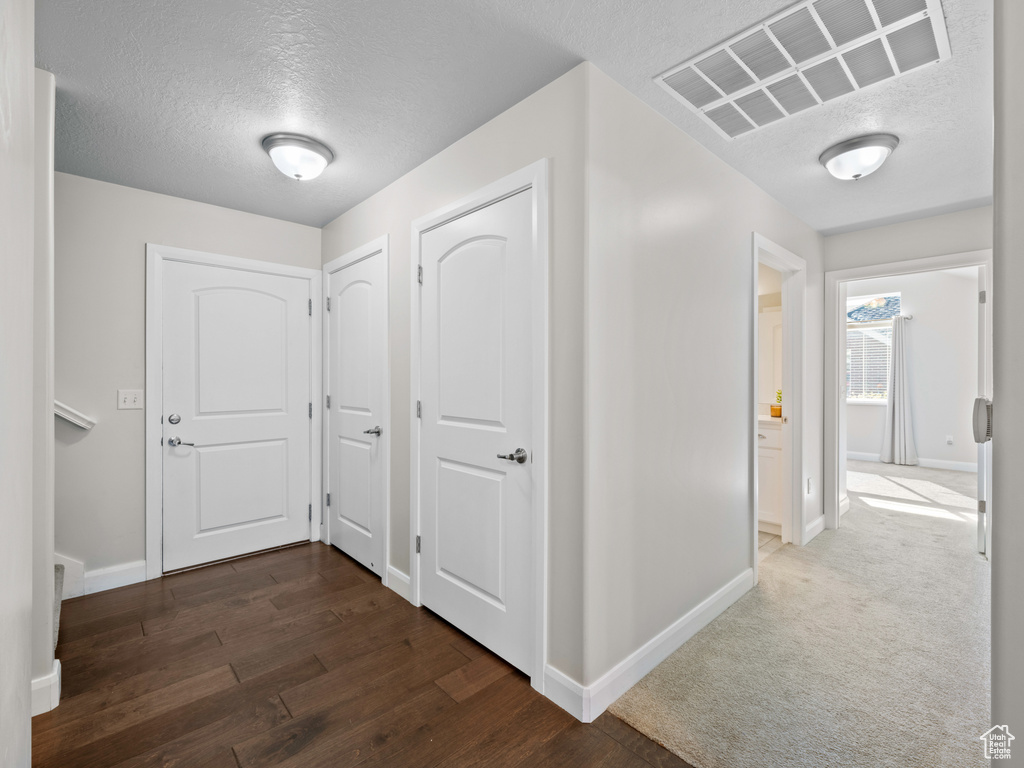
156	257
835	283
795	528
533	177
363	252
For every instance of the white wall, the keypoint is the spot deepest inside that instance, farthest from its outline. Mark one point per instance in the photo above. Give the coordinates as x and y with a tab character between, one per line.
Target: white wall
42	406
17	161
960	232
669	406
101	232
550	124
1008	405
942	360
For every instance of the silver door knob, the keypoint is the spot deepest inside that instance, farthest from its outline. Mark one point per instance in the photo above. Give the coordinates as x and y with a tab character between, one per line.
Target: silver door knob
174	442
520	456
374	431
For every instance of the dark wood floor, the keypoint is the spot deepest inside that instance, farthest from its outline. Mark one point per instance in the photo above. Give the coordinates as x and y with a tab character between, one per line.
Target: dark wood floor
299	657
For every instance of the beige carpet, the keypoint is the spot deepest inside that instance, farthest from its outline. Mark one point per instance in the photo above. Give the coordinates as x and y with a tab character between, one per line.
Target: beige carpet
868	647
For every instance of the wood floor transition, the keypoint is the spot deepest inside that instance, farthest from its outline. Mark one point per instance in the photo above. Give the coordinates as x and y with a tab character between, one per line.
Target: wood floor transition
299	657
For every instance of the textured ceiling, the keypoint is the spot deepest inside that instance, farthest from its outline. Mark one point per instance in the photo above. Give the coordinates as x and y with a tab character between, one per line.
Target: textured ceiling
175	96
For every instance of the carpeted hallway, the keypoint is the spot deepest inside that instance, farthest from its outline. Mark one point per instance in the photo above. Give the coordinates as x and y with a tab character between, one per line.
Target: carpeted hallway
868	647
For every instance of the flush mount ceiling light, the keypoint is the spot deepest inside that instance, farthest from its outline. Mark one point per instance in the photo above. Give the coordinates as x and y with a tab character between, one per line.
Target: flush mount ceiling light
296	156
855	158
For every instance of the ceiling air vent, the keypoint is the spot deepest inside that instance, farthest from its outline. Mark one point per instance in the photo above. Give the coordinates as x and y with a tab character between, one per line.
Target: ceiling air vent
814	52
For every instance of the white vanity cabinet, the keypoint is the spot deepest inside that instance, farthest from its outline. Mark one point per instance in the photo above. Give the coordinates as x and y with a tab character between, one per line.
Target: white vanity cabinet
769	475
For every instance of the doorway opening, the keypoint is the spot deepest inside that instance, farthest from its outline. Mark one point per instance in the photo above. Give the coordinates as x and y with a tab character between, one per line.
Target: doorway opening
776	453
908	349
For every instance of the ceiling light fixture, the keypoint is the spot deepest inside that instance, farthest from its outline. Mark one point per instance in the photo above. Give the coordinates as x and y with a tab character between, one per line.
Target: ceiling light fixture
296	156
855	158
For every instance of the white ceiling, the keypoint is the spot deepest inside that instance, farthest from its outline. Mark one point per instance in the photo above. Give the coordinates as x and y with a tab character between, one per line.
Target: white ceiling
174	96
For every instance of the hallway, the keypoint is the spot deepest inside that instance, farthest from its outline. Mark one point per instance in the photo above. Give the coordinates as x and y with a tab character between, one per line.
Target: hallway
869	646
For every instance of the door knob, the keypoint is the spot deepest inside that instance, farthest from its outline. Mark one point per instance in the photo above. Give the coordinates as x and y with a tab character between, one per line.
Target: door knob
519	455
374	431
174	442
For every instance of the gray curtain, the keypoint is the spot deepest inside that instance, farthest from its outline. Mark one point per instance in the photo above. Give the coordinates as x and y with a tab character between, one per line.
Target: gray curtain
898	440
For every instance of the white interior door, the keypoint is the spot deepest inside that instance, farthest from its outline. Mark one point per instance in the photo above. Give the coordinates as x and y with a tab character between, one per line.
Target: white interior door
236	394
357	447
476	514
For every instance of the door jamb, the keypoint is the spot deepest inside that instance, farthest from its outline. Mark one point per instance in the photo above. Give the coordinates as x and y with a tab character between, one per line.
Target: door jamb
794	315
156	256
533	177
369	250
835	454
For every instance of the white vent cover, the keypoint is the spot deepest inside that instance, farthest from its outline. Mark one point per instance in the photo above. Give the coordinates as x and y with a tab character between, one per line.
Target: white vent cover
811	53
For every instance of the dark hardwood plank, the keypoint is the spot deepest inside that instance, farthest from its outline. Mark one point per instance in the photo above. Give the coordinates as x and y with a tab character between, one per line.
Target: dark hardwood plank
652	752
473	677
176	723
210	746
299	658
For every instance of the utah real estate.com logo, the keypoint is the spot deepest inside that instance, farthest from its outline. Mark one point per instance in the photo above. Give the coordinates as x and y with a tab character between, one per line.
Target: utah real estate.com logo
997	742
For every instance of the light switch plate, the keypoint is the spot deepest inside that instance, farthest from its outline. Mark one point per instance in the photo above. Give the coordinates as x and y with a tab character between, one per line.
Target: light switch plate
129	399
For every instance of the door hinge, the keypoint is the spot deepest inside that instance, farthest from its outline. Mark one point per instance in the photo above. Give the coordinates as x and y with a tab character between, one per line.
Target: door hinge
982	297
419	274
328	402
311	410
328	499
328	303
981	506
310	307
417	545
419	409
311	513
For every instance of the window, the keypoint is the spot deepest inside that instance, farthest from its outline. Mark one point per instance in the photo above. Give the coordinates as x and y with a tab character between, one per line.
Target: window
869	345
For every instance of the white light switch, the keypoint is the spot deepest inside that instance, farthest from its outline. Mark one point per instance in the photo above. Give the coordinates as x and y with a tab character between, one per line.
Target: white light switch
129	399
949	439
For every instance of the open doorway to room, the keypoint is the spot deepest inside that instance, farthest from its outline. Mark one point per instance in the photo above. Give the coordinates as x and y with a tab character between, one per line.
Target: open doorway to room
909	352
778	514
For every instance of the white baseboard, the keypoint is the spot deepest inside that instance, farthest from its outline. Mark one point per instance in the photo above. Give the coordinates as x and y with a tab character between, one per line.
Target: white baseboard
115	576
814	528
844	505
567	693
586	703
74	575
876	457
399	582
958	466
773	528
46	691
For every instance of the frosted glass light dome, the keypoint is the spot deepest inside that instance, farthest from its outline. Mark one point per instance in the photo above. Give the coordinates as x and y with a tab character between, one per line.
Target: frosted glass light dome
856	158
298	157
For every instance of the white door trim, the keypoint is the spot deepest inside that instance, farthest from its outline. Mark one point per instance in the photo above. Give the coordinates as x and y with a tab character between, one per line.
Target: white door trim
156	256
534	177
835	453
795	528
379	245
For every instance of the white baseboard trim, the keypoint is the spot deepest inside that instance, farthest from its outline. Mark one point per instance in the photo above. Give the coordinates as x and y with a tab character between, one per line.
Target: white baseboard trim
115	576
813	528
74	575
773	528
398	582
856	456
567	693
844	505
46	691
586	703
958	466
